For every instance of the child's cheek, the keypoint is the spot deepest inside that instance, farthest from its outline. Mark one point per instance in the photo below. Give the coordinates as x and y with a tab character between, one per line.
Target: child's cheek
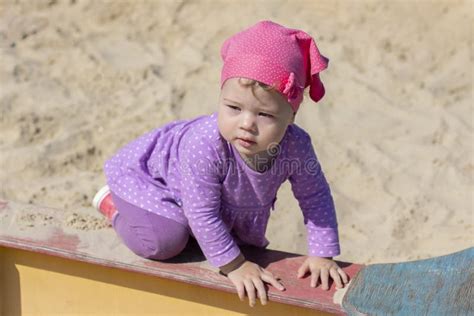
223	127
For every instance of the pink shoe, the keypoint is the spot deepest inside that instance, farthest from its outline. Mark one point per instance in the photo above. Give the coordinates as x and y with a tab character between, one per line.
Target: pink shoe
103	202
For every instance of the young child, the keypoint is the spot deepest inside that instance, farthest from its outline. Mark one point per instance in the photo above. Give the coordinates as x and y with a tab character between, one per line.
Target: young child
216	177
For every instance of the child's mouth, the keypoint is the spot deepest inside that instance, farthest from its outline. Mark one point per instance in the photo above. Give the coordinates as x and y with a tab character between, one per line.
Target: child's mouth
245	143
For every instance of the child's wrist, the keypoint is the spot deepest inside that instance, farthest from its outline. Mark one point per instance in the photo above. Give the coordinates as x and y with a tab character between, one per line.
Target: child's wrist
233	265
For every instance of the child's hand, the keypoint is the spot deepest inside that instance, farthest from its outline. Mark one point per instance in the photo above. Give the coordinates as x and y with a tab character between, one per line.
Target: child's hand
248	277
321	268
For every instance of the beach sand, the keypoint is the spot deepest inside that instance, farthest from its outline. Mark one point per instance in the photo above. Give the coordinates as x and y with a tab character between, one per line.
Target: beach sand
394	133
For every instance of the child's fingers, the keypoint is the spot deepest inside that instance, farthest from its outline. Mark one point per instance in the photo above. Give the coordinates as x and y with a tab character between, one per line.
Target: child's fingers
324	278
314	277
272	280
240	290
344	276
336	277
267	273
260	290
302	270
250	292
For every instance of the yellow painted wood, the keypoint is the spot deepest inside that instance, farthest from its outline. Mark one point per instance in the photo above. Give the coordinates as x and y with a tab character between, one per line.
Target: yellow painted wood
37	284
2	281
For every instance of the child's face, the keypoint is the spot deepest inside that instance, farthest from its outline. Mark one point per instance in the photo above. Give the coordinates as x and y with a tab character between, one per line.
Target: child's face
252	122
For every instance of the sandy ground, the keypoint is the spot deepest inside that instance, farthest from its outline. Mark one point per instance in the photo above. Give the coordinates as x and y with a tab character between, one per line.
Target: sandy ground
394	133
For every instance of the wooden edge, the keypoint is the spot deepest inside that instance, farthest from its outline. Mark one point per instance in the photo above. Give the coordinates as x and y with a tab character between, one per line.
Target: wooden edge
439	285
50	231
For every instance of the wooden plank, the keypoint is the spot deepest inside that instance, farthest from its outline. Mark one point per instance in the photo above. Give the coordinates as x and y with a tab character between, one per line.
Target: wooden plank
51	231
39	284
437	286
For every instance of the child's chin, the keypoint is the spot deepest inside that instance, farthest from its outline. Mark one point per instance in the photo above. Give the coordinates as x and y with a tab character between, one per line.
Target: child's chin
246	150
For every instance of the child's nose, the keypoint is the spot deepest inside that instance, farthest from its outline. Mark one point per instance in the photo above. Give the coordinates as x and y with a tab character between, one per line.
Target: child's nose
247	122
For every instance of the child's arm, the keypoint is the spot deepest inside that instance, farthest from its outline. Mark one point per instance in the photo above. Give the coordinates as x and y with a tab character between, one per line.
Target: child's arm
200	167
201	194
312	191
233	265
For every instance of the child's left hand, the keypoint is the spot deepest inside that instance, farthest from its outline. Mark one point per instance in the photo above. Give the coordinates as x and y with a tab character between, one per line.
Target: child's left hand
322	268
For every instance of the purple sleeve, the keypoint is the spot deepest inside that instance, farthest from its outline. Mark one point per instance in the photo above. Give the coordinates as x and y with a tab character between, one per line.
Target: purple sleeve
201	170
312	191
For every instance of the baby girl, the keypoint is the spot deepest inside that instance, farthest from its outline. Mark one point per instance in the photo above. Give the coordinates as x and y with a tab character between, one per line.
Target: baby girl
216	177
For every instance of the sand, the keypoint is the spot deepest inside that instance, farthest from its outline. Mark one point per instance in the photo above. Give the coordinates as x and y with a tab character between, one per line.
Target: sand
394	133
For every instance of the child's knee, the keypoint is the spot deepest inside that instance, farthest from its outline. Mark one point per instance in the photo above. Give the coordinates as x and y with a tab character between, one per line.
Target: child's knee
163	247
153	236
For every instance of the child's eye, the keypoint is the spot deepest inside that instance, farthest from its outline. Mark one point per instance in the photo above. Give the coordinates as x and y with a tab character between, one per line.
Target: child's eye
235	108
266	115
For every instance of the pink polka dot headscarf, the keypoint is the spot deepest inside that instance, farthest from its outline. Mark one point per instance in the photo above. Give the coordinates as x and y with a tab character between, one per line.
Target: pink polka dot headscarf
275	55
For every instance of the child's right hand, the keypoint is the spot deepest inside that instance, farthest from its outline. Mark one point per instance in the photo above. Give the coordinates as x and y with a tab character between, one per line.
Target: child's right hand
248	277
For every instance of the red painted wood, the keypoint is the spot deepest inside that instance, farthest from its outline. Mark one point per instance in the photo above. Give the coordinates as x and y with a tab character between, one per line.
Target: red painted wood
102	247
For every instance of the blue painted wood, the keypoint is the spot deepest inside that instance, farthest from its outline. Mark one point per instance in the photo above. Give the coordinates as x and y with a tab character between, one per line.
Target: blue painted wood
437	286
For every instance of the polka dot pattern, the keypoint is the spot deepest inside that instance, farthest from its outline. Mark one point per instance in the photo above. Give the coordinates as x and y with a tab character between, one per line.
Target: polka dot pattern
276	55
187	172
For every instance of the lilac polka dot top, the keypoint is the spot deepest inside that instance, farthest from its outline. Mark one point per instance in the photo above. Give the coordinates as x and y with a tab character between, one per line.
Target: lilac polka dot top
187	172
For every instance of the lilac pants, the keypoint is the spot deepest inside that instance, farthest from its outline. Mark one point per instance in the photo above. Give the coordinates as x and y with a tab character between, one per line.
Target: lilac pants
147	234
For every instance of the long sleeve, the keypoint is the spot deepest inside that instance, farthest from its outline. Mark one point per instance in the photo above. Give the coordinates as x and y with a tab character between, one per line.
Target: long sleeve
312	191
201	169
